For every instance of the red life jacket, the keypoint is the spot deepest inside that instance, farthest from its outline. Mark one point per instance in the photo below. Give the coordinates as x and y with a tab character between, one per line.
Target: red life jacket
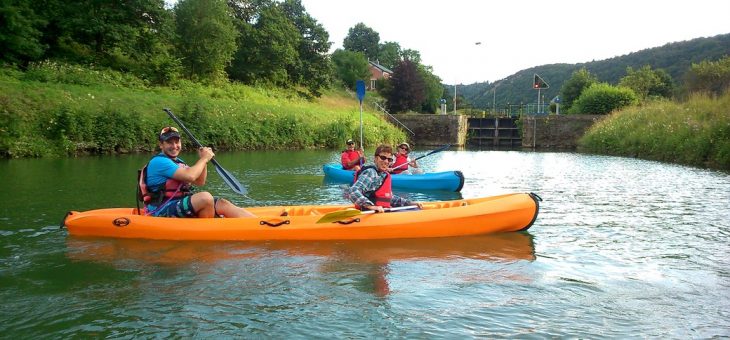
400	159
172	188
384	193
351	155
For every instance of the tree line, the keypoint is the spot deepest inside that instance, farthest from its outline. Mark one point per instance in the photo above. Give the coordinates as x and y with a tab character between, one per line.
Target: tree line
675	59
208	41
254	42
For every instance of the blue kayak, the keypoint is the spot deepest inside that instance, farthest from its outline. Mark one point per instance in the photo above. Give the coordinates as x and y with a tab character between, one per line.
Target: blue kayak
447	180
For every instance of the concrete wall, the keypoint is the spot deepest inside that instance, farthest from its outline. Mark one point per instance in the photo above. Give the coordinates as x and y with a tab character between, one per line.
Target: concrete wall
556	131
433	129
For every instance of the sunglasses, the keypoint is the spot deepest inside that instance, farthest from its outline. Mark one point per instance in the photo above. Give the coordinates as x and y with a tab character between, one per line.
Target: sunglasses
168	129
389	159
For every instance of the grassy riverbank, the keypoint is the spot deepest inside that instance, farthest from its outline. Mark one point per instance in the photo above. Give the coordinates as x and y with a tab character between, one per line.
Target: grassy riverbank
61	112
695	132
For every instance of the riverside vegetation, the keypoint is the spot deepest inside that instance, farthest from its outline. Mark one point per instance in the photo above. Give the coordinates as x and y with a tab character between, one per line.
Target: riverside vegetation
65	110
694	132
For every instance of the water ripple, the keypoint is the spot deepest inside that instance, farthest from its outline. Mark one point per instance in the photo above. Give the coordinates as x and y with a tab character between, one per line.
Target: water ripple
622	248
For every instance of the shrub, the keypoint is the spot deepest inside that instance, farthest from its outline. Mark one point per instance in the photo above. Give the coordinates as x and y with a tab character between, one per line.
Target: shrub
603	98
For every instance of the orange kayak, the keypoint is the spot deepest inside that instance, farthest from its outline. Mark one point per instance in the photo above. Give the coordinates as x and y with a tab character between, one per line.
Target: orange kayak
504	213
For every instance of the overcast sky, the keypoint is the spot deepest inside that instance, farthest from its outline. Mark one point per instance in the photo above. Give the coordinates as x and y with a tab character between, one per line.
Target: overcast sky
519	34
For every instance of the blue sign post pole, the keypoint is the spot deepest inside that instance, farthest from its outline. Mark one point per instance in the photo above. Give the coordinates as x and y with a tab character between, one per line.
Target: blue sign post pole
360	86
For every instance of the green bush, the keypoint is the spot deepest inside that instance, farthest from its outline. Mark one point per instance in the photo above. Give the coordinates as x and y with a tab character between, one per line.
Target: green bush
603	98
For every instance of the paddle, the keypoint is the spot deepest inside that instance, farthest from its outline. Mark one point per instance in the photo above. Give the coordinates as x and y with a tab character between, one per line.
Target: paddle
343	214
428	154
225	175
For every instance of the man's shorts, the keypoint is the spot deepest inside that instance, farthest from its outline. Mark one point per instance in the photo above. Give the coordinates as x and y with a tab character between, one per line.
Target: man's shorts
177	207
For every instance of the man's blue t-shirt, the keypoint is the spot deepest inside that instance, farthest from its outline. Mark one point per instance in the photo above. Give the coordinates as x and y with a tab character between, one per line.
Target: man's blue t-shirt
160	169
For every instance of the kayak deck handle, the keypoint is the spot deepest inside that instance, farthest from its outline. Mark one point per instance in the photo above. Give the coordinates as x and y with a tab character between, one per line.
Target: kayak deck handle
354	220
274	224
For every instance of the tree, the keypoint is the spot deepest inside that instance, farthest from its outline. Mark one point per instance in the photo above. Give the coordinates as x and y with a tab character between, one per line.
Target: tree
123	35
602	98
407	90
20	35
152	51
314	69
207	37
712	77
389	54
647	82
573	87
361	38
433	90
411	55
268	49
350	66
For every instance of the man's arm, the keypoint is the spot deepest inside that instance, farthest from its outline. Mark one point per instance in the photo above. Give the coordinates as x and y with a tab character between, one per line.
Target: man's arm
196	174
397	201
364	183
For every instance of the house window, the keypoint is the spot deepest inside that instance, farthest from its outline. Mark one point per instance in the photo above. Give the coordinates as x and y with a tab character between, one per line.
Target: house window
372	84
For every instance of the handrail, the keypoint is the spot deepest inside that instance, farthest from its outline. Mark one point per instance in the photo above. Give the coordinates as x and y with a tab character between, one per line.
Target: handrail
381	108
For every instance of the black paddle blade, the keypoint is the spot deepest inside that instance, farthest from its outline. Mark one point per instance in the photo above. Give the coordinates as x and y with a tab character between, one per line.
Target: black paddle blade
232	182
227	176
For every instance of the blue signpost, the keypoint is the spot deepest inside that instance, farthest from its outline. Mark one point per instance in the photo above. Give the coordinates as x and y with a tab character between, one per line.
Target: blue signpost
360	86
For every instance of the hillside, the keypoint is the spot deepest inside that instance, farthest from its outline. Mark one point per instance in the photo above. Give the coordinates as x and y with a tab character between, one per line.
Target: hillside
76	111
674	58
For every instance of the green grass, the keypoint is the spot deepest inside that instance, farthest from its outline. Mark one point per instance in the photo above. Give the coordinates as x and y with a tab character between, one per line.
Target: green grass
695	132
43	114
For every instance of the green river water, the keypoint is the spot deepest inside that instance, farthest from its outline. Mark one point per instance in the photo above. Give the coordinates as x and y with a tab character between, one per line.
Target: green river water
622	248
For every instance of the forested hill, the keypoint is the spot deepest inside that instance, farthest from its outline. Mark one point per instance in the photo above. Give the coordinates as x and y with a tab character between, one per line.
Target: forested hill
674	58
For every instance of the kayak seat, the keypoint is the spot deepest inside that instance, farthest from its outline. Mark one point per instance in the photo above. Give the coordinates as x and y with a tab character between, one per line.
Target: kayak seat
452	204
303	211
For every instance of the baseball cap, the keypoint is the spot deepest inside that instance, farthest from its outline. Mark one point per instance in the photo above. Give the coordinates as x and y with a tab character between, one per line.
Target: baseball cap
169	132
349	141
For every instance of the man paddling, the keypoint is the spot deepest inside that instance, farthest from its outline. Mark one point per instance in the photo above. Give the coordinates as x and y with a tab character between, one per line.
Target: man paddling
352	159
372	188
166	181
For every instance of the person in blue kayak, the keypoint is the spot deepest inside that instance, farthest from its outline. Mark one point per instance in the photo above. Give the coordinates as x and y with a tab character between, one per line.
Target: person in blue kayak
402	161
352	159
165	183
372	188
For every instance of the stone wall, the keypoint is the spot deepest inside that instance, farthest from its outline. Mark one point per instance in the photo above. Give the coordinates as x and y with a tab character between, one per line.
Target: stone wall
555	131
431	130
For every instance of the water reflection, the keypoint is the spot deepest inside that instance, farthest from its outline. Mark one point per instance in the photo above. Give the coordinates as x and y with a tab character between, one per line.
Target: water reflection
366	262
504	247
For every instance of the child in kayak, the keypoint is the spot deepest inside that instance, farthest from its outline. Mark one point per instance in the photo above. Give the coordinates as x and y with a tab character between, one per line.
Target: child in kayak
402	161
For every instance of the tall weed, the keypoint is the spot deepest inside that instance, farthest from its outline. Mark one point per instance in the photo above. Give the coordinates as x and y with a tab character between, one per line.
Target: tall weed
695	132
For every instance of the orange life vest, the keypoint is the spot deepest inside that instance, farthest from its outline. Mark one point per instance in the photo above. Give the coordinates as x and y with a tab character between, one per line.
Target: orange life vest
384	193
